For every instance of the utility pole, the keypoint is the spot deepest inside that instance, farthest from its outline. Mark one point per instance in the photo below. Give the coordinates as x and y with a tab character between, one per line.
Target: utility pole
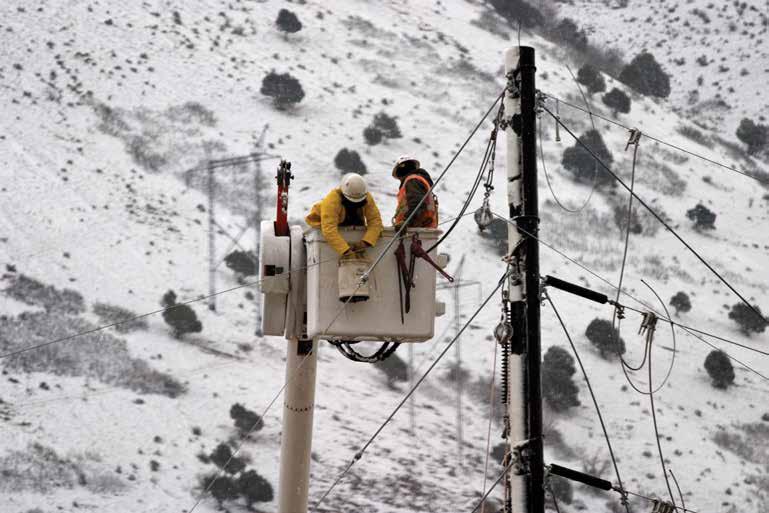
258	223
211	238
458	359
525	480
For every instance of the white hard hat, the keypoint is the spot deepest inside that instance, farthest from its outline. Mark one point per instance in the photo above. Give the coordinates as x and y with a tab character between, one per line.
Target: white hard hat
405	158
354	187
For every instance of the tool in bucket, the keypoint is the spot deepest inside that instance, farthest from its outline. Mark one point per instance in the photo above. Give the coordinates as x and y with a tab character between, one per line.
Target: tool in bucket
406	272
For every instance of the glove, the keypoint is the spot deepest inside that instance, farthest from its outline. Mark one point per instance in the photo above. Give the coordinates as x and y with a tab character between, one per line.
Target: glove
359	247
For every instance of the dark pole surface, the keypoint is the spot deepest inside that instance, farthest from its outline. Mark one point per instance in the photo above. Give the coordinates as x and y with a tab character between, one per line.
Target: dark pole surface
529	221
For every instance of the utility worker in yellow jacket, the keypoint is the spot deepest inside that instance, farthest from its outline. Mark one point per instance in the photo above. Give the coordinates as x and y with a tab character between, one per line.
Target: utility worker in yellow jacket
415	184
350	204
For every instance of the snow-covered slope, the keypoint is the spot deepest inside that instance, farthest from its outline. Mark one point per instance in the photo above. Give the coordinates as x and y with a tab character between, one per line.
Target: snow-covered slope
715	52
106	107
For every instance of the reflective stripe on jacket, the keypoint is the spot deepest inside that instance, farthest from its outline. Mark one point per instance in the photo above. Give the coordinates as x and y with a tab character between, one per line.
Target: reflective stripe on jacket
329	213
427	215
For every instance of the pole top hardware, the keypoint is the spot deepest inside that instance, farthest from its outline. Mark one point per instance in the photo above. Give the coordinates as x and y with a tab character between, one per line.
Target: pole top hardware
663	507
649	322
634	138
521	458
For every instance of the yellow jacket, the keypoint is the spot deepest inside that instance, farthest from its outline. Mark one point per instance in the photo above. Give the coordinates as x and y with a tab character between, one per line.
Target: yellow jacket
329	213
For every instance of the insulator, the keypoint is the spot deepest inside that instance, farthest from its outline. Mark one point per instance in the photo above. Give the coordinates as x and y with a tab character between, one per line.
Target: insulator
483	216
503	332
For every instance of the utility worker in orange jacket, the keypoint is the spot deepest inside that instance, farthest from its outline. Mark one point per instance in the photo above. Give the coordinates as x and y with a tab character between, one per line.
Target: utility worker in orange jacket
350	204
415	184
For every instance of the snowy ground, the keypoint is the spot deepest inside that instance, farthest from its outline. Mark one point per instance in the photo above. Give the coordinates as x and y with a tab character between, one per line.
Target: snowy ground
96	199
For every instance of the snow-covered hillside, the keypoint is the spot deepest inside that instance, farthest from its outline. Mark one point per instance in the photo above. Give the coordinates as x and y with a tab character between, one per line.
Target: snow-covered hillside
108	105
717	53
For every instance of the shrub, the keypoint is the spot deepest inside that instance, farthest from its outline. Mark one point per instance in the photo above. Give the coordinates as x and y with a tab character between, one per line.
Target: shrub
558	388
617	101
372	135
621	220
680	302
32	292
498	452
703	218
284	89
394	368
605	337
518	11
242	262
591	78
387	125
569	33
223	458
646	76
562	489
582	164
348	161
496	232
221	488
254	488
287	22
755	136
719	369
246	421
111	314
747	319
181	318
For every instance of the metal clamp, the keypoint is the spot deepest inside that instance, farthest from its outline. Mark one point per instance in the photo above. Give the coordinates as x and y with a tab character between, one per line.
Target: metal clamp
635	137
649	322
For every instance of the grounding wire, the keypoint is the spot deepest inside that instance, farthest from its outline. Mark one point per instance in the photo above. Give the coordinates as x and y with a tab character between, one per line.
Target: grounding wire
680	494
493	485
492	392
592	396
661	141
359	454
660	219
650	344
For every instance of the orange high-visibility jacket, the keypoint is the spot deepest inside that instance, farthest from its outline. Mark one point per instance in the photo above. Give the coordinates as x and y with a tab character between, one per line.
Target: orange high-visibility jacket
329	213
427	216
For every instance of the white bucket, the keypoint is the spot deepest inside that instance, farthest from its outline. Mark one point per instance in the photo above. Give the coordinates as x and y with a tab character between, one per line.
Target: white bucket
351	288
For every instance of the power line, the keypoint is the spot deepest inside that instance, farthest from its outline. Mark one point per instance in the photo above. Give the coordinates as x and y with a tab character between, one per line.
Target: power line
243	438
661	141
689	330
358	455
592	396
660	219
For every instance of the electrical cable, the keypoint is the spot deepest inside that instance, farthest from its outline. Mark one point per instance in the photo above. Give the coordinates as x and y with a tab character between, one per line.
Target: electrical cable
488	156
661	141
359	454
680	494
493	485
365	276
550	185
661	220
650	344
689	330
592	396
259	421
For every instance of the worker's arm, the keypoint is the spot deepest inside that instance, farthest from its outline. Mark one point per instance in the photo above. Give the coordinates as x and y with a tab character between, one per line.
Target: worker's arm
329	222
374	225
